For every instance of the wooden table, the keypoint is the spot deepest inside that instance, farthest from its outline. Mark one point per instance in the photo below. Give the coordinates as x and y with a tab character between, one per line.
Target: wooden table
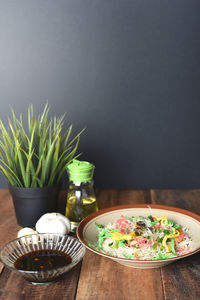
98	278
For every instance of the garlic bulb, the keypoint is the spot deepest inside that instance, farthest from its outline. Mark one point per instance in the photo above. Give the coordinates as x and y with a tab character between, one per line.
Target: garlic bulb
53	223
25	231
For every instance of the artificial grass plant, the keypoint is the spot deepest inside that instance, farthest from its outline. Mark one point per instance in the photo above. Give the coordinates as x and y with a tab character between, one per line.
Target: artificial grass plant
38	156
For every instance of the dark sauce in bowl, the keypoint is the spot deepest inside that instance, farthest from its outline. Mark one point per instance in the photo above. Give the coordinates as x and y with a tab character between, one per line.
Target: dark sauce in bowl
42	260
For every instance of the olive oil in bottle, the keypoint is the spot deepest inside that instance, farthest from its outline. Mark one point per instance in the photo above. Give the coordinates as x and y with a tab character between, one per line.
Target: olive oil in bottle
81	199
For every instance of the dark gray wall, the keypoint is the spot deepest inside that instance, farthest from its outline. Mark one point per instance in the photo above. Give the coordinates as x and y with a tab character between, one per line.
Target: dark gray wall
129	70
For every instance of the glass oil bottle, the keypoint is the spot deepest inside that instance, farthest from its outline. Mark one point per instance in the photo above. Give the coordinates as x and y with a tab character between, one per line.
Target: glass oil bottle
81	198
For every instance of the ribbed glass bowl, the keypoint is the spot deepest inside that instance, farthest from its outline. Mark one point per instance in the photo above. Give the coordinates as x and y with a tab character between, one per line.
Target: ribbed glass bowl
26	244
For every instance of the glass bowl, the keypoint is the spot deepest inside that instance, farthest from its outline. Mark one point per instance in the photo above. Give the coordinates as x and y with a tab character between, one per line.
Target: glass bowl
15	249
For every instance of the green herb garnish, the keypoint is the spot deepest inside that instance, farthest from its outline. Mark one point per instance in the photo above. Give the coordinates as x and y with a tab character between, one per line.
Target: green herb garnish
166	231
122	243
100	226
150	218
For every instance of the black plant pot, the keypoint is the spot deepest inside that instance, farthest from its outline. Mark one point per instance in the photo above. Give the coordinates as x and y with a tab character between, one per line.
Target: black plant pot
31	203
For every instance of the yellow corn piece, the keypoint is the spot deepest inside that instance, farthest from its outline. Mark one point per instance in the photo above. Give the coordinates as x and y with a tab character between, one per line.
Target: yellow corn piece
119	237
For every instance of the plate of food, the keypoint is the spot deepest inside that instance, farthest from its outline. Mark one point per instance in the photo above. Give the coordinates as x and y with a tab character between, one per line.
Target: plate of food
141	235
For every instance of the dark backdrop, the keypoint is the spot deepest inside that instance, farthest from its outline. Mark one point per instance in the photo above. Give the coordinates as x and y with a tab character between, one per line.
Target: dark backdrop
129	70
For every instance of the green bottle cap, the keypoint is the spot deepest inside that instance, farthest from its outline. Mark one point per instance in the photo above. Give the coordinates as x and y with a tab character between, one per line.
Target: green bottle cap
80	171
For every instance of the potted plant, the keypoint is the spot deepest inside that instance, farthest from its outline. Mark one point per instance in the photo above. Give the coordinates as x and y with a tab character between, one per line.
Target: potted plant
34	161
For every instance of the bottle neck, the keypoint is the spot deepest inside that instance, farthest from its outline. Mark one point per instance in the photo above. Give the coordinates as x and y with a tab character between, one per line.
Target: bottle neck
81	184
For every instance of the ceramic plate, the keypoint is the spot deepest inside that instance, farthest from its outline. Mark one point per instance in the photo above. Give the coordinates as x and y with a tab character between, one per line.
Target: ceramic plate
87	230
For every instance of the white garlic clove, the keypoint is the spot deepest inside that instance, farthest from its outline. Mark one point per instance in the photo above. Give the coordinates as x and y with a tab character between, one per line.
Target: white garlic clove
25	231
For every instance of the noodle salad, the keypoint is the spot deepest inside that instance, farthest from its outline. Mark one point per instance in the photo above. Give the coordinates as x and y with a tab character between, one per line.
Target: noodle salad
143	238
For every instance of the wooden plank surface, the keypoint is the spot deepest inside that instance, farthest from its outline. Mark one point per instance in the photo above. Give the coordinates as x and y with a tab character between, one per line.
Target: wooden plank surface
181	279
103	279
109	198
8	223
186	199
